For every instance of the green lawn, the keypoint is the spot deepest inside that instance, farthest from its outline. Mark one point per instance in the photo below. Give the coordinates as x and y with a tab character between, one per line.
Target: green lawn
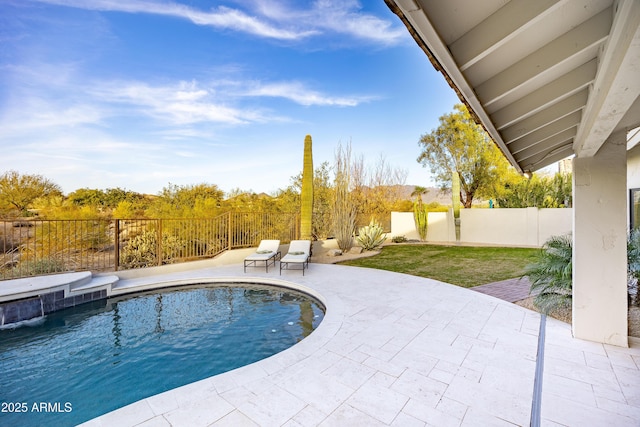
464	266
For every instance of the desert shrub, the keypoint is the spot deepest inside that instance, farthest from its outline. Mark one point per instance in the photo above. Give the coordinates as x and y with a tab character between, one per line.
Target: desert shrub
59	236
142	250
41	266
398	239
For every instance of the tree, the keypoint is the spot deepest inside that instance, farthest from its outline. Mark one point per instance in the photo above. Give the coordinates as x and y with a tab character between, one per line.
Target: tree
187	201
20	191
322	201
86	197
376	189
104	199
517	191
460	145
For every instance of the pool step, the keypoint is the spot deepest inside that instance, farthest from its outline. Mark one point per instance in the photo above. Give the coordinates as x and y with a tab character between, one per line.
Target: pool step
95	283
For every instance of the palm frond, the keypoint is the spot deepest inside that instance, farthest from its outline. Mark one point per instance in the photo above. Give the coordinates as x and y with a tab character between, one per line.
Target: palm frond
551	274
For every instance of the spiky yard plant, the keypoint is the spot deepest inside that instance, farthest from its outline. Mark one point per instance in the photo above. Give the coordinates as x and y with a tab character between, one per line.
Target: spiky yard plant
306	196
551	274
371	236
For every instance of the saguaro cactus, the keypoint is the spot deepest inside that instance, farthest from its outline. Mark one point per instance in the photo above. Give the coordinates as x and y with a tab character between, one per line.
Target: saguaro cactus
455	201
306	196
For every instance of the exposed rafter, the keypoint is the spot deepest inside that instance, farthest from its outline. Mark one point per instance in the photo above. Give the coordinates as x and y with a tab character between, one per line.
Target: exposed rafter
492	33
544	77
539	64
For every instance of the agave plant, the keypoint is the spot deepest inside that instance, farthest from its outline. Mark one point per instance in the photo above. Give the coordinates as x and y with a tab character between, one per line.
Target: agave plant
371	236
551	274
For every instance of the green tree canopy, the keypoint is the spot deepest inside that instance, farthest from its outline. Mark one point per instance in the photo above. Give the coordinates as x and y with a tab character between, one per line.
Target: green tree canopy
20	191
186	201
109	198
460	145
517	191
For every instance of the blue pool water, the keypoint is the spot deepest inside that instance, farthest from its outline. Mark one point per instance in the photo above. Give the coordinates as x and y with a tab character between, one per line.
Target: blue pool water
82	362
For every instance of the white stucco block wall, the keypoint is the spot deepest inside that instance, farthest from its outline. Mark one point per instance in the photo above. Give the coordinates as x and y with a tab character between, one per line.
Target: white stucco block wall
496	226
554	222
509	227
440	227
402	224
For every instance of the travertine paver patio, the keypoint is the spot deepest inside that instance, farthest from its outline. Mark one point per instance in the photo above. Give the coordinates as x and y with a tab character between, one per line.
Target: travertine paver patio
401	350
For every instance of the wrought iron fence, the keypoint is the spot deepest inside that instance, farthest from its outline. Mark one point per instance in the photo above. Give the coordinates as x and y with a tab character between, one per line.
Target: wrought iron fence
36	247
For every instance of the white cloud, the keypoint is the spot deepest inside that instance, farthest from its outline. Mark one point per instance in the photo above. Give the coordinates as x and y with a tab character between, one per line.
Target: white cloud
37	115
335	16
279	20
220	17
187	103
176	110
298	93
345	17
177	104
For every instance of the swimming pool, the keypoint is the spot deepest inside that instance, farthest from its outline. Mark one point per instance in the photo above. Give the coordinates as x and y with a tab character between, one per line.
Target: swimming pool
85	361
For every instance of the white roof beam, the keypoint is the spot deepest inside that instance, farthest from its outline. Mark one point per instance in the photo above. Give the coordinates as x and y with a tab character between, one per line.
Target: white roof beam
571	44
617	83
544	117
548	131
549	144
570	83
441	53
498	29
547	159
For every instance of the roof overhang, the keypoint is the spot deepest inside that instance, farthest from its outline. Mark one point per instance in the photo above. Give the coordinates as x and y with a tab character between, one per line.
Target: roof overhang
546	79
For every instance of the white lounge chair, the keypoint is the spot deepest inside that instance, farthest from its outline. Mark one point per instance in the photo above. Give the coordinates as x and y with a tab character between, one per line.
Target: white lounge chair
298	254
267	252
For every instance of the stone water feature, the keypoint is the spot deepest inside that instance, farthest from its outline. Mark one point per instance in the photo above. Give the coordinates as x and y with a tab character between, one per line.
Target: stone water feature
30	298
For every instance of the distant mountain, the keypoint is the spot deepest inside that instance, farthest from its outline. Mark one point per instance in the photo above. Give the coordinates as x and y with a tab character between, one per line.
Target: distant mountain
434	194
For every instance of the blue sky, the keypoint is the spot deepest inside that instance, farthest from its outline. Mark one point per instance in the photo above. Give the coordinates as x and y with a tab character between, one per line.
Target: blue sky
138	94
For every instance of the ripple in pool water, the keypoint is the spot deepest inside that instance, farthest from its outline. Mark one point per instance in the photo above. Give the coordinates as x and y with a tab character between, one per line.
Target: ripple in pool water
83	362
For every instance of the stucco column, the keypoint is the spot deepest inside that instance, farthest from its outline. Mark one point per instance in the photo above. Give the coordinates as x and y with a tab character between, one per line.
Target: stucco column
600	244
